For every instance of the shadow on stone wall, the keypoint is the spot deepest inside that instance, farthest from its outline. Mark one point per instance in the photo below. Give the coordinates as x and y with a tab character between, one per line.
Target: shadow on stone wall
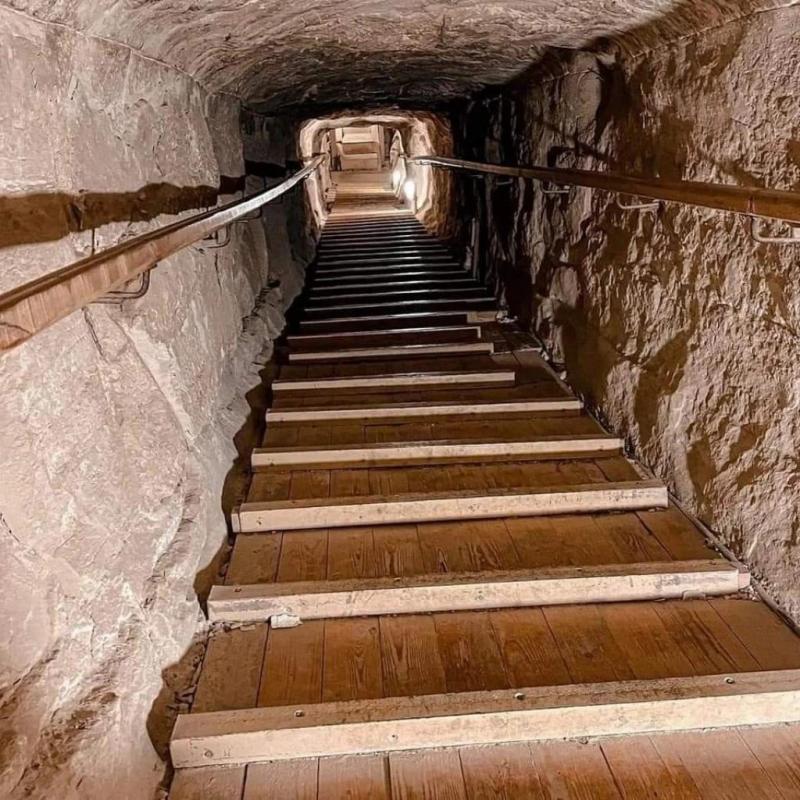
47	217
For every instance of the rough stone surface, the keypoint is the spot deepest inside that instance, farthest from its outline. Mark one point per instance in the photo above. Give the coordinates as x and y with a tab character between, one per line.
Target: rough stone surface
116	425
342	51
677	325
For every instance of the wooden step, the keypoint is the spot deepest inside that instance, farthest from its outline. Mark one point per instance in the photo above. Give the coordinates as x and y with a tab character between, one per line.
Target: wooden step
388	241
359	310
400	411
327	280
378	338
389	230
329	288
383	248
486	717
472	591
438	452
411	364
397	381
711	764
468	430
360	275
396	221
325	262
400	351
333	512
317	302
410	319
376	239
387	271
372	250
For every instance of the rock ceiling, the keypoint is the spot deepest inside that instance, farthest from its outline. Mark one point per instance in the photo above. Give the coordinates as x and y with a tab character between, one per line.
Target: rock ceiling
282	53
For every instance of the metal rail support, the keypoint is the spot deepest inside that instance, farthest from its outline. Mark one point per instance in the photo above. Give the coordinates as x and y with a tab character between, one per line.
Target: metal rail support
756	231
560	190
117	297
652	205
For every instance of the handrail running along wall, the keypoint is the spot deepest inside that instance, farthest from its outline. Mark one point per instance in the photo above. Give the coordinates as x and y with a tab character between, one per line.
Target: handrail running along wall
767	203
32	307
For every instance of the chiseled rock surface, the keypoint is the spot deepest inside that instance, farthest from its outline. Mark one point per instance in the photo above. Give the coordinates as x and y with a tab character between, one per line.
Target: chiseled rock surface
116	426
340	51
681	329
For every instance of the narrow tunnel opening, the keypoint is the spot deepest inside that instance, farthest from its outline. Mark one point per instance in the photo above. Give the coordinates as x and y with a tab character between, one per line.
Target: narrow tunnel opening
416	359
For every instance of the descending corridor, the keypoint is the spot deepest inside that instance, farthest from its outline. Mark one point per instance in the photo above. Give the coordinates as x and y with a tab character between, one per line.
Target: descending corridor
455	535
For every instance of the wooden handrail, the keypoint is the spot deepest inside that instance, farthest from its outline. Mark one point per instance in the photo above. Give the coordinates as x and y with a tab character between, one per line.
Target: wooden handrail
28	309
770	203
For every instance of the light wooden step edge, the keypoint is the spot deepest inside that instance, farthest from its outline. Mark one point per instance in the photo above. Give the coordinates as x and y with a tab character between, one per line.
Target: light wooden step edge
386	454
576	711
396	351
412	245
394	304
471	317
416	276
432	284
354	220
322	338
396	232
399	411
410	381
381	233
473	591
384	273
316	303
381	249
340	512
403	259
406	289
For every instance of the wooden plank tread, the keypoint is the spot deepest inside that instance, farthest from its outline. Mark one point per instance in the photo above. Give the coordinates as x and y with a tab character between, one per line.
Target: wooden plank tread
393	411
453	505
388	351
486	717
392	335
397	380
434	451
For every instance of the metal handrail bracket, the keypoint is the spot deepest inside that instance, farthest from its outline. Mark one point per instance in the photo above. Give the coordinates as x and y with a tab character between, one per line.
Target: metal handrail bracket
756	231
30	308
652	205
560	190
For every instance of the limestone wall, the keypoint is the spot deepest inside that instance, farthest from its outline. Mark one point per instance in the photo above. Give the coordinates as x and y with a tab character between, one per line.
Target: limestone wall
683	331
117	424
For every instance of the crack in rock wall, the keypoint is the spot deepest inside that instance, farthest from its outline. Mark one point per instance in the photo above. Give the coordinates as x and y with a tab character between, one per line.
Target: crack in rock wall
117	425
677	325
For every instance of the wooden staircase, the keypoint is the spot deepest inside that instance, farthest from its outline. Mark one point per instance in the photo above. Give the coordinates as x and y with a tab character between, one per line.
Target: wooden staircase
449	581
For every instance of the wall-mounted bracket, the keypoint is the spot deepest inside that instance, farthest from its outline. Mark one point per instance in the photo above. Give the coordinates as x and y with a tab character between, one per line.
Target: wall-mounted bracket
219	245
650	205
118	296
756	231
557	190
258	215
